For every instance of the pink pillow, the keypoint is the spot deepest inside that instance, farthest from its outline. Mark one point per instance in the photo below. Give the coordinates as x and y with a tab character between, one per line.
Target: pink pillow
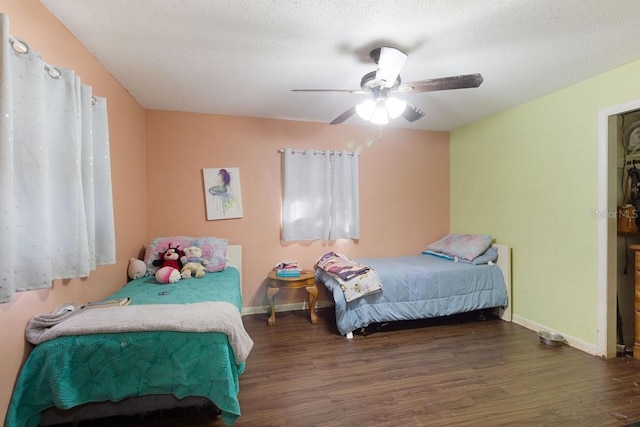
214	250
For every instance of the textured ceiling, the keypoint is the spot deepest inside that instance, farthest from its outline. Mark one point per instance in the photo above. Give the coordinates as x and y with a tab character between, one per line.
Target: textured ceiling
243	57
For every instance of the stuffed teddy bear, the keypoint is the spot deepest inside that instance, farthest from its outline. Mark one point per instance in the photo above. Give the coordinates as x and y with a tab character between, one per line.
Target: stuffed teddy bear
193	263
167	275
137	268
170	258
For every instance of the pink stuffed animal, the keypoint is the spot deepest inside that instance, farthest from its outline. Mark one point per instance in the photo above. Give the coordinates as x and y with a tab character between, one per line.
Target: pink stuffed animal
167	275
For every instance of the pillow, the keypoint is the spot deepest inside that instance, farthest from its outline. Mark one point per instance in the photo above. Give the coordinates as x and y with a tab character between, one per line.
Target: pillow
438	254
213	249
464	246
490	255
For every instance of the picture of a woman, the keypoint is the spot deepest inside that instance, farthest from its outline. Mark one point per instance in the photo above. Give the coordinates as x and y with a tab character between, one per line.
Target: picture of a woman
223	198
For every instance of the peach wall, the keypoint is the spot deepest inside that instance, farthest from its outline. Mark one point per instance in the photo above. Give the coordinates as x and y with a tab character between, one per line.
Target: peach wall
404	187
32	22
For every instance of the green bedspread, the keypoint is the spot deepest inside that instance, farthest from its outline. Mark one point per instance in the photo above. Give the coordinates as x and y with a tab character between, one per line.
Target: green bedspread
72	370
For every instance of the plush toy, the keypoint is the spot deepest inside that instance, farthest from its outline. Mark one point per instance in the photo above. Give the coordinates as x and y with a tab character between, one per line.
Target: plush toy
167	275
170	258
193	263
137	268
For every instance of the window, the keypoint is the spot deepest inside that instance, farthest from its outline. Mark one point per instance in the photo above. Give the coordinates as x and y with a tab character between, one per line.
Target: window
320	195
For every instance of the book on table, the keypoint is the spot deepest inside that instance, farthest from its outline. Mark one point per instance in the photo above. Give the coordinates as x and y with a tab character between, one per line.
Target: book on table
288	269
288	273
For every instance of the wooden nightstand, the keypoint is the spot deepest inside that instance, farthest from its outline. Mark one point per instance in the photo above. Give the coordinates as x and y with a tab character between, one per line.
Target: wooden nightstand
307	279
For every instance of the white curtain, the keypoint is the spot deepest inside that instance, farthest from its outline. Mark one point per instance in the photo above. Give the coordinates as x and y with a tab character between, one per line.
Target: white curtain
320	195
56	208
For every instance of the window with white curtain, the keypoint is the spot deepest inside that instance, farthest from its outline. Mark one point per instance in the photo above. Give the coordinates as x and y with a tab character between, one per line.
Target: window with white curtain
320	195
56	207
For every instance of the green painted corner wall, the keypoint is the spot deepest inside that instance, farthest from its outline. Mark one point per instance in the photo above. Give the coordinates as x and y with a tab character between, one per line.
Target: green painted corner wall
529	177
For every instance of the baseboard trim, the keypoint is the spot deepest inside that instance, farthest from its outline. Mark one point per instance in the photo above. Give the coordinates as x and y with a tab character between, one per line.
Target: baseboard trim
261	309
572	341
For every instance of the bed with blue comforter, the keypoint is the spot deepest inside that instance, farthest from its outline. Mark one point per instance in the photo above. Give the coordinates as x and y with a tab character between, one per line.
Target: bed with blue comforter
73	370
417	287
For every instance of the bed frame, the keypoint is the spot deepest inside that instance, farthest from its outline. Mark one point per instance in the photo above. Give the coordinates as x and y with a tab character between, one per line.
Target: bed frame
504	262
138	404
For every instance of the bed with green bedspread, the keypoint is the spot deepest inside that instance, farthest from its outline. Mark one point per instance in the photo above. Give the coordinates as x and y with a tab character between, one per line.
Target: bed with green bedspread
68	371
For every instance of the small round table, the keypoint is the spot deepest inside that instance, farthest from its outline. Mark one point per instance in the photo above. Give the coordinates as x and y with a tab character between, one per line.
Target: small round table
305	280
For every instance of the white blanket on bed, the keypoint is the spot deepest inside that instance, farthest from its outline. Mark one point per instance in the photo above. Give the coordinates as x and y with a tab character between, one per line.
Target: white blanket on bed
209	316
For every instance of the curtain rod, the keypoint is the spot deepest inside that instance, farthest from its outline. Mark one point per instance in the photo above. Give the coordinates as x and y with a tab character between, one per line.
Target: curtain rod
22	48
350	153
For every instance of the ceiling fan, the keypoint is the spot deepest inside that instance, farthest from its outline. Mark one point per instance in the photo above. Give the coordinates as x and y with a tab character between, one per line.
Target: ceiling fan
385	81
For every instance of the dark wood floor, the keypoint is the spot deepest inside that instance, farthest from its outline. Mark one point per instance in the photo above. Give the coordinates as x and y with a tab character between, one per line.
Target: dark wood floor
453	372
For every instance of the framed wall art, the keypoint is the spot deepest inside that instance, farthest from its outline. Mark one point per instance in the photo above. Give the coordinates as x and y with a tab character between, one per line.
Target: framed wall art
222	193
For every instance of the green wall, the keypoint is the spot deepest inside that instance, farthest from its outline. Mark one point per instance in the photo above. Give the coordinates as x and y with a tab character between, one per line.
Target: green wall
528	176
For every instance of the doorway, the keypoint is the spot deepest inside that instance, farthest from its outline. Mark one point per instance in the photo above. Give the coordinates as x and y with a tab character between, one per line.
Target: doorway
611	248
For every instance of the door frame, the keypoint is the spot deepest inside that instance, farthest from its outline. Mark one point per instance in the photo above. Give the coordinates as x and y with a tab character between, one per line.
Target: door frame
606	228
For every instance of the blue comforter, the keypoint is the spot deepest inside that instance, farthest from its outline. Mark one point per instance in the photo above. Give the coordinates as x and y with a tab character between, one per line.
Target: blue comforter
418	287
72	370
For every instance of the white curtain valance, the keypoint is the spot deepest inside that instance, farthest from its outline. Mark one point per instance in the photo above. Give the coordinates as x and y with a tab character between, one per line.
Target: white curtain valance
56	207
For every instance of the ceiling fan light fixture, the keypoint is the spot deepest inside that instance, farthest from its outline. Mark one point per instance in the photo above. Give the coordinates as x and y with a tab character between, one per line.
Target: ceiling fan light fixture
380	114
395	107
365	109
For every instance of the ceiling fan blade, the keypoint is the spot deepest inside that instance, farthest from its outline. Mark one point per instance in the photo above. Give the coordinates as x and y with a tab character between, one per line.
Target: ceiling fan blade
390	63
344	116
412	113
444	83
329	90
